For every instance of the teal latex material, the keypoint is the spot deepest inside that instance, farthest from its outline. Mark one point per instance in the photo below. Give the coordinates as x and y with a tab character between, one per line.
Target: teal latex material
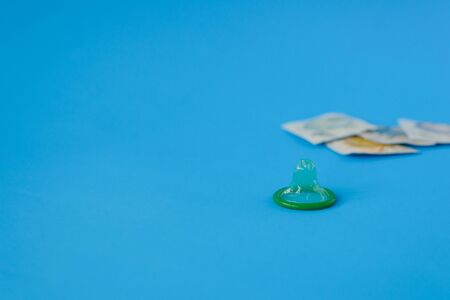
304	192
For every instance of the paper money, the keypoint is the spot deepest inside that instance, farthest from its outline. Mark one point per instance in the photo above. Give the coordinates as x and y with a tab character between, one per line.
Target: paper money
436	132
359	145
327	127
392	135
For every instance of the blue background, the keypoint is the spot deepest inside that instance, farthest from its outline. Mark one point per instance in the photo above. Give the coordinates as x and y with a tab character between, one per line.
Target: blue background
141	145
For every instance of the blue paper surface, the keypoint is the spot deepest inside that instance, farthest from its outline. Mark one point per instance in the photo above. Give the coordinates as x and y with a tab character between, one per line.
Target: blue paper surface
141	145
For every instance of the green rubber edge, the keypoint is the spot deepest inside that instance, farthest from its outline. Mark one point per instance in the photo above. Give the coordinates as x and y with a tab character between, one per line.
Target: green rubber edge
304	206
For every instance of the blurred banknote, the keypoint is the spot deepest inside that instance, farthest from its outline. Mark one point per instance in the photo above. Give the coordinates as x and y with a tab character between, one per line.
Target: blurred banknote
327	127
392	135
359	145
435	132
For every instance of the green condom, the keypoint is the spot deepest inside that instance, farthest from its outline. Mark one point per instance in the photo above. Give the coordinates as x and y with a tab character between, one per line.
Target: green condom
304	191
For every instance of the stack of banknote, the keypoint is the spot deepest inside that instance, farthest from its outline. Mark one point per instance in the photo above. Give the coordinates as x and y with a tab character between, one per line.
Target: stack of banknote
345	134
